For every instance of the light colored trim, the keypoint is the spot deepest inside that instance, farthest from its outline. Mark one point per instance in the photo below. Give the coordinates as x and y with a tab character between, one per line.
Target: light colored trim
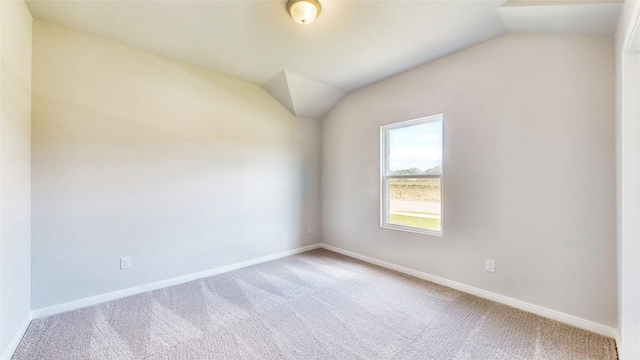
77	304
518	304
384	176
535	309
11	348
413	229
628	206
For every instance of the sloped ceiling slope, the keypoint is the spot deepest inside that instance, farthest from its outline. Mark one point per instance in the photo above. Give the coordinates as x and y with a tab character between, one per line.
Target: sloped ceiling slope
307	68
561	17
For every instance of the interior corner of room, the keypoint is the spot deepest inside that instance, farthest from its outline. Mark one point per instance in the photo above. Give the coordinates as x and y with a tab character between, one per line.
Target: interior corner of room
124	169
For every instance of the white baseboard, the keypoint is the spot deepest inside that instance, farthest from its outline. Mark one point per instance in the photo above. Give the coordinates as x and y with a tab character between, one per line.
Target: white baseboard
94	300
522	305
8	353
518	304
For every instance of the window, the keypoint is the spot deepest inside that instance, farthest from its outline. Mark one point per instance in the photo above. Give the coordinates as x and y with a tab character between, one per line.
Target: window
411	175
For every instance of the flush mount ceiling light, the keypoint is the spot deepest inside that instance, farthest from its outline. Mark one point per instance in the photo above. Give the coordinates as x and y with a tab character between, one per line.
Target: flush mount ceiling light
303	11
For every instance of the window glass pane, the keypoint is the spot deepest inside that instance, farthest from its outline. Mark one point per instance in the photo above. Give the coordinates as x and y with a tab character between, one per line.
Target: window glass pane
416	149
411	175
415	202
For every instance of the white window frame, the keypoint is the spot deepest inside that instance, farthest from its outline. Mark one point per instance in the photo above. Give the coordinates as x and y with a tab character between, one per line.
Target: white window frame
385	176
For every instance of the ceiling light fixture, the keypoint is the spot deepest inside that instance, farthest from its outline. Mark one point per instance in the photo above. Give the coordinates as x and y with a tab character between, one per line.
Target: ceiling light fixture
303	11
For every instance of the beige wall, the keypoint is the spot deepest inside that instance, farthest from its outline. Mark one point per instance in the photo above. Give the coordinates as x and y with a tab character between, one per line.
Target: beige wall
529	171
182	169
15	172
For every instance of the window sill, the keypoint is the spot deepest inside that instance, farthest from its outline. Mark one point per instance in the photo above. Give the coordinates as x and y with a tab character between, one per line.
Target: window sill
412	229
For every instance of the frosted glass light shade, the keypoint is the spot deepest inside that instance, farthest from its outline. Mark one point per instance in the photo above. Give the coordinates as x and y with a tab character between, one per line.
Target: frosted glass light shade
304	11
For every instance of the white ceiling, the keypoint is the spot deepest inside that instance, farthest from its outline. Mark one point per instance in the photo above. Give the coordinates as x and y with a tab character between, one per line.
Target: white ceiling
350	45
561	18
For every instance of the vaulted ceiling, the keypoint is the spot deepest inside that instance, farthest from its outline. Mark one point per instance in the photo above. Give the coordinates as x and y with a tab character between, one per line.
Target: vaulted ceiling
350	45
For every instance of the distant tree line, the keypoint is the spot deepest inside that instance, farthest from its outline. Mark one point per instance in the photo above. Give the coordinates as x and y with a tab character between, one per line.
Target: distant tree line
436	170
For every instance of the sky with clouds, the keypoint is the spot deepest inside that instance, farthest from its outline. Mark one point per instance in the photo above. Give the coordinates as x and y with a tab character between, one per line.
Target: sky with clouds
418	146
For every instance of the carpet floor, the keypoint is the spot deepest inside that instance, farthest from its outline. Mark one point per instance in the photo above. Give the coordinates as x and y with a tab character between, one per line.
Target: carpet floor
315	305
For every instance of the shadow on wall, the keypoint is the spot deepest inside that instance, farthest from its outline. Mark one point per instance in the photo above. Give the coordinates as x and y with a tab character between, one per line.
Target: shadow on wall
138	155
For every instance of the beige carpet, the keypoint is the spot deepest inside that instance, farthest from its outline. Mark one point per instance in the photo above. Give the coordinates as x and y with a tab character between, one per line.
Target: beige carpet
316	305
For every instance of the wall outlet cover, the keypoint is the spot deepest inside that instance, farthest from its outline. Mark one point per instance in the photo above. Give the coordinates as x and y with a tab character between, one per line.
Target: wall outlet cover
125	262
490	265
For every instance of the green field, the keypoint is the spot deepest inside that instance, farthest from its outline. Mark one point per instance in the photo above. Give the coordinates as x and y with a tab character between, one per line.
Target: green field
420	222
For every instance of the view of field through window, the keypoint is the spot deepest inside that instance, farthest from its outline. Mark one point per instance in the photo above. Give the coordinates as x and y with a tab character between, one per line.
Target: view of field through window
415	176
415	202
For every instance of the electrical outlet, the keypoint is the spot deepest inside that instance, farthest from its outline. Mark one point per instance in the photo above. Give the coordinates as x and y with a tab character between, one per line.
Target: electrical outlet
125	262
490	265
309	230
